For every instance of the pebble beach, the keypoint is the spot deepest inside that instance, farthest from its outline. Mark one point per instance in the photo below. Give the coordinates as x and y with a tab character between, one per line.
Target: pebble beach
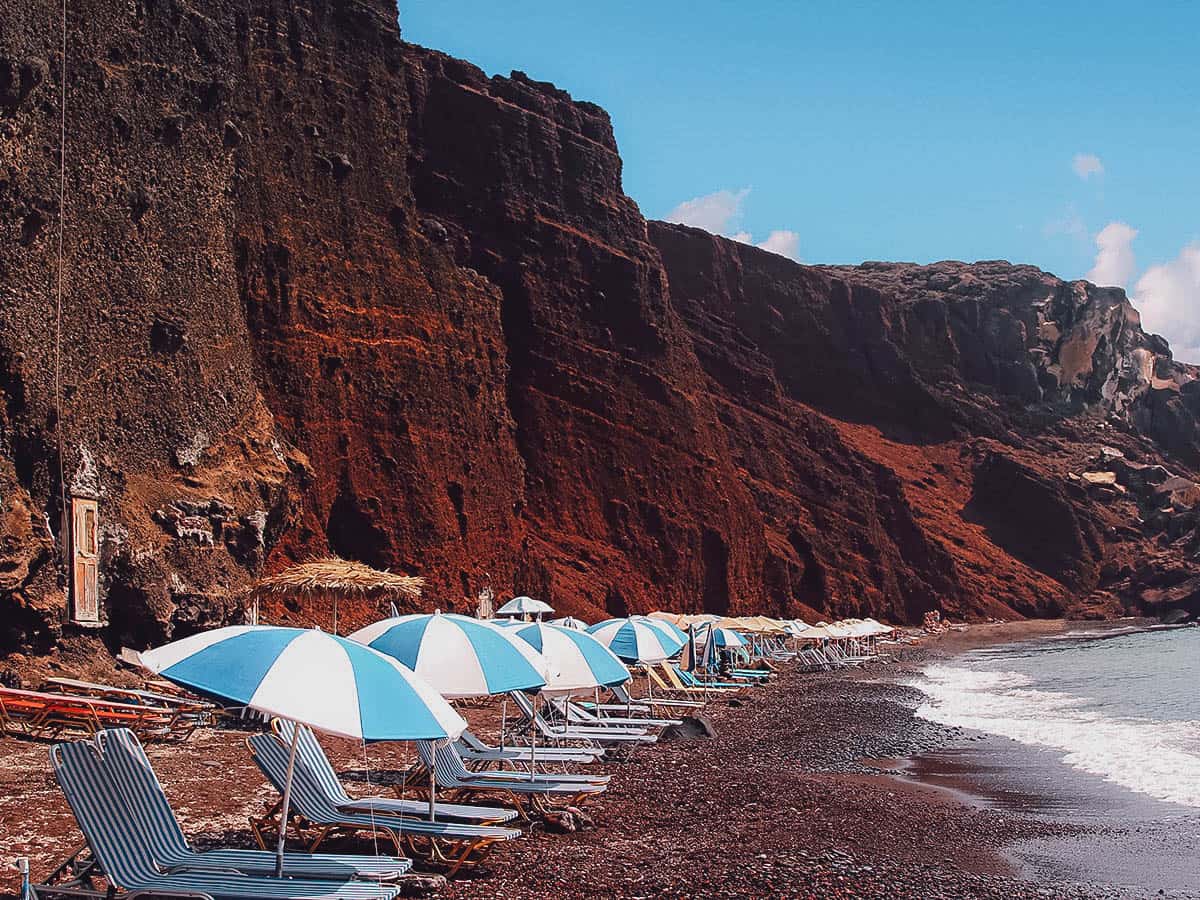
798	793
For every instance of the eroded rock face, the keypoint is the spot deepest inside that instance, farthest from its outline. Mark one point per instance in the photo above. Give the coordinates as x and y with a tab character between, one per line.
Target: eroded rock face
1032	337
325	290
983	395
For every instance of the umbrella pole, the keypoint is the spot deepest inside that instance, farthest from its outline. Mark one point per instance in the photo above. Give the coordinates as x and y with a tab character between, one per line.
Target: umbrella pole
335	615
503	719
286	802
533	740
433	783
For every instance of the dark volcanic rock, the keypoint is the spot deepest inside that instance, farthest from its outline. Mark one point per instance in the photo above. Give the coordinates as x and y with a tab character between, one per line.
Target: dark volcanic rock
325	290
690	728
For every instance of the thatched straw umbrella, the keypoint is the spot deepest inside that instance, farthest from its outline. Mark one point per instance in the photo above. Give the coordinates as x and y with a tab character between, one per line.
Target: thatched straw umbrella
332	578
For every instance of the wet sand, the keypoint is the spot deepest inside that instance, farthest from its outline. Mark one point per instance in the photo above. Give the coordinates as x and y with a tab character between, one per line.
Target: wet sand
784	801
1123	838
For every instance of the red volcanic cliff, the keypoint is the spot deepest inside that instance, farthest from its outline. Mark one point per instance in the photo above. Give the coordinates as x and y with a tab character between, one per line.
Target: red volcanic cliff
325	290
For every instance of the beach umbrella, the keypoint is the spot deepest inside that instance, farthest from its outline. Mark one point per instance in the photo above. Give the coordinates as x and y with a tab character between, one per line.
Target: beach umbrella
878	627
331	579
674	618
570	622
524	606
795	628
635	641
457	655
672	630
725	638
326	682
581	661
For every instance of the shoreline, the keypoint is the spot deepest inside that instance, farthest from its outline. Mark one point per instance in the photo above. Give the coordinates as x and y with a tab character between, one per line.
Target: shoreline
788	799
1114	836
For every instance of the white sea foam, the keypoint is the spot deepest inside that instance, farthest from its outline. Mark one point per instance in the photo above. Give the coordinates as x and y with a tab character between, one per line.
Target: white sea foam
1156	758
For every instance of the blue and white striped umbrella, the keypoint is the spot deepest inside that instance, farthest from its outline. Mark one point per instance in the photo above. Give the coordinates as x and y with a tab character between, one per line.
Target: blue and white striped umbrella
459	656
583	663
570	622
670	628
328	682
635	641
725	638
308	676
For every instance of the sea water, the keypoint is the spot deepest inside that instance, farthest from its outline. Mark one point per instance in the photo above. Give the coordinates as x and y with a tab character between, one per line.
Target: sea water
1121	706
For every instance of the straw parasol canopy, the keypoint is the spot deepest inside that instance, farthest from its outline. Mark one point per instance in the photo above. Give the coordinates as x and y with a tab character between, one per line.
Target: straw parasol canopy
333	578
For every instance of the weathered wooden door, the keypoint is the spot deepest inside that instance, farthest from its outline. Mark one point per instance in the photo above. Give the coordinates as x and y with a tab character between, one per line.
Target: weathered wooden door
85	545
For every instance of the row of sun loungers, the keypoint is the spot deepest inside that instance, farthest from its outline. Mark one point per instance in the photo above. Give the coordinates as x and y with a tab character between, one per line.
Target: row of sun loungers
452	844
458	801
48	714
136	856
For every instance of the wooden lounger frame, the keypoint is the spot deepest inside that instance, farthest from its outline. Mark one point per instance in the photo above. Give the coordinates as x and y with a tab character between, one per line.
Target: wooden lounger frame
45	715
453	854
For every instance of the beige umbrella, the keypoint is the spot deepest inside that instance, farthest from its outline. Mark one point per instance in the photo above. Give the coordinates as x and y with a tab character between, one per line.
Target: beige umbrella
332	578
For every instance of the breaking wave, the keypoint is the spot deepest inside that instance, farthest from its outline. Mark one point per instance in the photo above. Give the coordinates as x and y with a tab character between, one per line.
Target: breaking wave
1158	758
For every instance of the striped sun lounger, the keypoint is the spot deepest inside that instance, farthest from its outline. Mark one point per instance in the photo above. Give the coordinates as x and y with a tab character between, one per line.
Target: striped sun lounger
453	844
551	732
474	750
454	777
311	754
573	714
126	761
121	851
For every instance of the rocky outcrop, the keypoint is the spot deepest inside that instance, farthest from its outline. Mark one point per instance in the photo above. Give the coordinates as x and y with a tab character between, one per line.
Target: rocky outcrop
1023	334
325	290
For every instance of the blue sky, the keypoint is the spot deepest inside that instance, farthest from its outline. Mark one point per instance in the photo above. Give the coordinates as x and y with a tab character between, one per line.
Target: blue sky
918	131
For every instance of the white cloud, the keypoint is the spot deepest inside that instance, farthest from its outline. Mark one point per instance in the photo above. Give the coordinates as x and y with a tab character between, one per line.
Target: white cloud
721	213
717	213
1168	297
1086	165
1114	256
784	242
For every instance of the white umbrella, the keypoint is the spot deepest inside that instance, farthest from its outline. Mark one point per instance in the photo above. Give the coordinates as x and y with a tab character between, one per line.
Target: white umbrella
524	606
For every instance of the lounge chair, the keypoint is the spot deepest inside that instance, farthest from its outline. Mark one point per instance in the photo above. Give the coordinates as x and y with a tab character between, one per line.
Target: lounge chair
607	735
622	695
690	679
126	761
557	778
673	683
121	853
453	844
474	750
312	755
454	777
47	715
574	714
